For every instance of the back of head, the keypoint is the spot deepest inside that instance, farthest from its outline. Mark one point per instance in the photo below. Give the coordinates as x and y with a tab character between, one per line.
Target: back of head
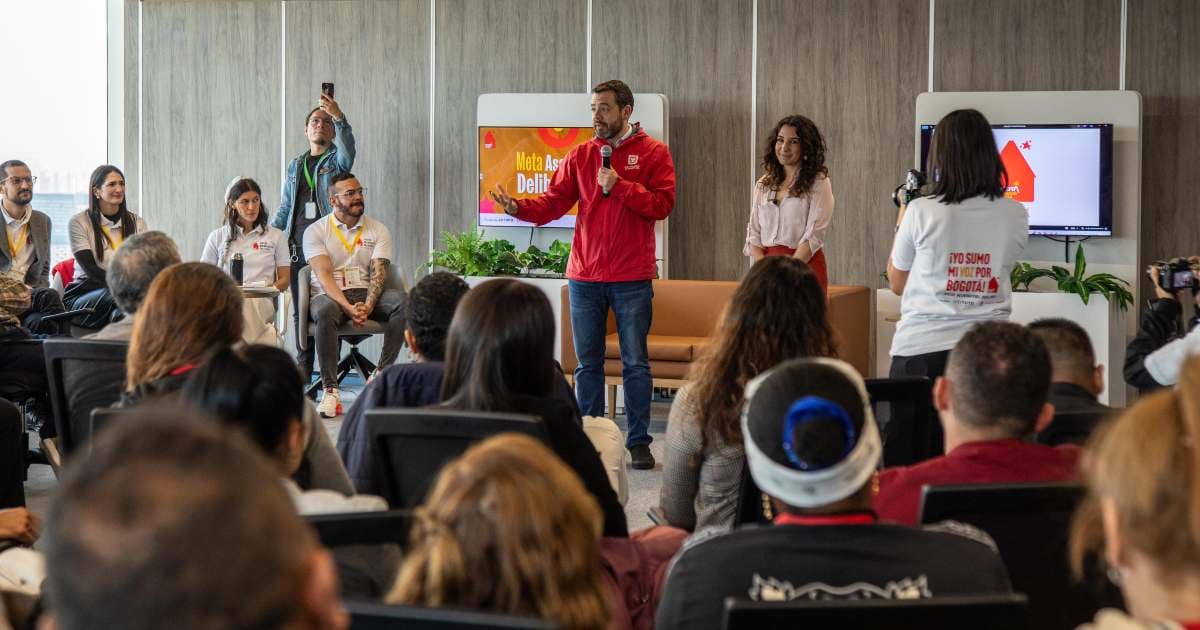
810	435
173	523
1071	355
508	527
1000	378
135	265
778	312
1147	464
963	160
429	310
500	344
256	390
191	310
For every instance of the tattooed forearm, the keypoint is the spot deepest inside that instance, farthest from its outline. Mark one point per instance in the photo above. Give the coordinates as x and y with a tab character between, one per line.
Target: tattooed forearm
375	284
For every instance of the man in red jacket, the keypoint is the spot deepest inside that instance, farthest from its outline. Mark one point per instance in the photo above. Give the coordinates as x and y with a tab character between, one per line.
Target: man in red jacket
612	258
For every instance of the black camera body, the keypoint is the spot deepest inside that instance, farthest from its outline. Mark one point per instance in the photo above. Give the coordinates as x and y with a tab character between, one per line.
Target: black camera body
914	180
1176	275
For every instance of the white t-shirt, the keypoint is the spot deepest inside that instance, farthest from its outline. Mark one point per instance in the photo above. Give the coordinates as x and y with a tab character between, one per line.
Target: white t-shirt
83	239
350	250
959	257
262	249
1165	363
19	244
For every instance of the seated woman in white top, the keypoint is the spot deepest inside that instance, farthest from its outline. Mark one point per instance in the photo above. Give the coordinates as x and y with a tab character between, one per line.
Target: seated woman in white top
793	201
96	233
265	258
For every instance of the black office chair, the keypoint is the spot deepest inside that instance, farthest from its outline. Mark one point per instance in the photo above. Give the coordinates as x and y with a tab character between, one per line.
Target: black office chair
412	445
1030	524
1071	428
367	616
750	502
83	375
14	442
362	528
912	432
983	612
100	420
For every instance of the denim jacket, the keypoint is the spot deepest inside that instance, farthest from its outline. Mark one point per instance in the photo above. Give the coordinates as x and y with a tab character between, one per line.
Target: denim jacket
341	160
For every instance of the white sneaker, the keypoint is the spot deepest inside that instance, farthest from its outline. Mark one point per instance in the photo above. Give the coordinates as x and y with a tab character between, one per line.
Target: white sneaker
330	406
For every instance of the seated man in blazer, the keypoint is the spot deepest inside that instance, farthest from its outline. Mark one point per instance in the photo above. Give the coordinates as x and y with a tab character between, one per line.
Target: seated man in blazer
25	252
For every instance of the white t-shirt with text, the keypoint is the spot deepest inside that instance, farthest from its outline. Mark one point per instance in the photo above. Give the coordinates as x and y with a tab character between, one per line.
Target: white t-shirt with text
263	249
350	250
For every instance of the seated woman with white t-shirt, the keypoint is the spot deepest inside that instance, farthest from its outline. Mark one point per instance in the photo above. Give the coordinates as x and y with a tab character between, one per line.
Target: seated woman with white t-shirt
266	261
954	247
97	233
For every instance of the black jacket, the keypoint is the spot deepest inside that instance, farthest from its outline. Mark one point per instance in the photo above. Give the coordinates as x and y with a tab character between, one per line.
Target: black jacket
1160	325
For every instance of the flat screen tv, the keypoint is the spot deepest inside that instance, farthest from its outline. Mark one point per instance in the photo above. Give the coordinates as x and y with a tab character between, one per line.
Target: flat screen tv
523	160
1062	173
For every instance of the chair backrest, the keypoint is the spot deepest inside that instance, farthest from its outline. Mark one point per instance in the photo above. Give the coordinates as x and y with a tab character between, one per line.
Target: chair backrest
369	616
65	272
750	502
83	375
983	612
101	419
1074	427
912	432
1030	524
12	455
412	445
362	528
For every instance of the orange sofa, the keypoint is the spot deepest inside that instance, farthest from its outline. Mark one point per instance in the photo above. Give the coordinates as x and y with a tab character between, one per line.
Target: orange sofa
686	313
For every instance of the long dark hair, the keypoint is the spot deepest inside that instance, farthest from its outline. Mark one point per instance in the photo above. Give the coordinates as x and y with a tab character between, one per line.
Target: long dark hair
963	161
500	344
128	221
812	161
777	313
237	189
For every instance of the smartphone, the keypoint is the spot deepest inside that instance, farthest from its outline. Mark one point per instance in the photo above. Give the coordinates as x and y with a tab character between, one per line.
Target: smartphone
327	89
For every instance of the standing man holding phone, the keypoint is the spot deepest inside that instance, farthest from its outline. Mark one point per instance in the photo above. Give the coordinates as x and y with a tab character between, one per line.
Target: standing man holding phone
623	181
305	195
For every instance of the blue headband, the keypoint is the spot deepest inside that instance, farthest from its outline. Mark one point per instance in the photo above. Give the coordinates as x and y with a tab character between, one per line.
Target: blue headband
812	408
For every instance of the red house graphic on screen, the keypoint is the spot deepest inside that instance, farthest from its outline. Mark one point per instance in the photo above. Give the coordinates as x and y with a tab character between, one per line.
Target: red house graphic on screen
1020	175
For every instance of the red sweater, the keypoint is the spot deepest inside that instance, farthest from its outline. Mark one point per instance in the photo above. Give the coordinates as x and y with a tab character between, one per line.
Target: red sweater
998	461
614	235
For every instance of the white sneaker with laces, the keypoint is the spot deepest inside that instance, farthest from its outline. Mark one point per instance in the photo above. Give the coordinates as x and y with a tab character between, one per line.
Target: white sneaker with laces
330	406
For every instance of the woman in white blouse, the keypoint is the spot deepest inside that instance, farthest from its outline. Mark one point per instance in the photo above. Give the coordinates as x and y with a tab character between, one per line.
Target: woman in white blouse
265	258
793	201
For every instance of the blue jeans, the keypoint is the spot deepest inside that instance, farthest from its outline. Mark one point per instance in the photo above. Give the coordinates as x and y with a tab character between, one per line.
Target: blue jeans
631	302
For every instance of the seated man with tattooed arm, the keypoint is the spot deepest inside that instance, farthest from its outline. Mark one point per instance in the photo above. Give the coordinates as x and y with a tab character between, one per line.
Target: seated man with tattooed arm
349	254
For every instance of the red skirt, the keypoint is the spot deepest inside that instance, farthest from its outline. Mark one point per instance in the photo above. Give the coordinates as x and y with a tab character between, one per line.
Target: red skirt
816	263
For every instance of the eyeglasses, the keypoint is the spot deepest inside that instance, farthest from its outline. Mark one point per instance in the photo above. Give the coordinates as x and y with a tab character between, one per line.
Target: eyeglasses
22	180
357	192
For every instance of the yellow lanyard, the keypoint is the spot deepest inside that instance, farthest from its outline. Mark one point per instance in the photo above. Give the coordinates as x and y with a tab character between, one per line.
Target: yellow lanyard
16	247
115	245
348	245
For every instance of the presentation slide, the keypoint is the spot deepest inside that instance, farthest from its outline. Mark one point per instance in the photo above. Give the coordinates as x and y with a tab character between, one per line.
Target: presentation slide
523	160
1055	173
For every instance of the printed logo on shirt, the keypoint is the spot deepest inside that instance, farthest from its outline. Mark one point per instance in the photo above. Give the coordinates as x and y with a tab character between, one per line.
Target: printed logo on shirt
971	279
631	164
368	242
264	246
774	590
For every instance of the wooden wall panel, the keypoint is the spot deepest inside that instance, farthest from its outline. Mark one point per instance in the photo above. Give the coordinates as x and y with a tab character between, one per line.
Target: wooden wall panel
847	66
1162	63
991	45
131	141
376	52
210	81
698	53
494	46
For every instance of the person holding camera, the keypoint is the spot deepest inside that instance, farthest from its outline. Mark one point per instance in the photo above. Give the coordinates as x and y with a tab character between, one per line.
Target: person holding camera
793	201
1154	357
954	247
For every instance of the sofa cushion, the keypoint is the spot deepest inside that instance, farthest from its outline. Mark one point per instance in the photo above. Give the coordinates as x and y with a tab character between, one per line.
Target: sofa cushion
661	347
658	369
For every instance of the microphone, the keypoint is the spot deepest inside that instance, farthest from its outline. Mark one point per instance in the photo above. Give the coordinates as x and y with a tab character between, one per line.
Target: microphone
606	156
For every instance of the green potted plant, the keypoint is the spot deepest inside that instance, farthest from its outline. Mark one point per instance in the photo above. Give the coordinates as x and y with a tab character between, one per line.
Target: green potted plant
470	254
1076	282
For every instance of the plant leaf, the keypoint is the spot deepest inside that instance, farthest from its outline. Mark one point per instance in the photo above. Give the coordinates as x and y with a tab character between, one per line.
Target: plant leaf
1080	263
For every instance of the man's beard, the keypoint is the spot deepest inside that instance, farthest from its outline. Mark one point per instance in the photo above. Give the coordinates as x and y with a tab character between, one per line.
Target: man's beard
352	209
608	132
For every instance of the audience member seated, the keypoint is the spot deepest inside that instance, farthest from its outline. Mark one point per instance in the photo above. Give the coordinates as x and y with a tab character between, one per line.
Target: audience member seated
992	398
23	368
812	446
500	357
778	313
428	312
508	528
141	258
96	234
259	391
1143	508
349	254
266	261
26	256
172	522
1076	381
